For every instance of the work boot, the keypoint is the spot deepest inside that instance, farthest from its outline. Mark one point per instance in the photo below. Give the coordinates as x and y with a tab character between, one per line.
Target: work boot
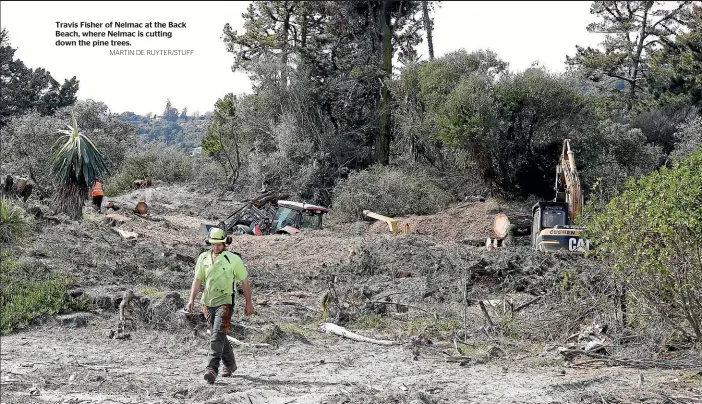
227	371
210	376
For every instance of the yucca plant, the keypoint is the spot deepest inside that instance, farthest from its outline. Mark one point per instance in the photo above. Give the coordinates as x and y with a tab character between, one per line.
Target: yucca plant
74	167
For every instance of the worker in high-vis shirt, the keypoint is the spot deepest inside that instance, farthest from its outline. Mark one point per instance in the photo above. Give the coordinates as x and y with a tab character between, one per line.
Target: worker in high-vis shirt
97	194
219	270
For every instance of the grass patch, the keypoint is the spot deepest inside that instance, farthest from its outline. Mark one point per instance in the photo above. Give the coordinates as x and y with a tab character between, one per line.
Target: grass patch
273	334
368	321
293	329
471	349
28	293
422	324
151	291
419	324
447	325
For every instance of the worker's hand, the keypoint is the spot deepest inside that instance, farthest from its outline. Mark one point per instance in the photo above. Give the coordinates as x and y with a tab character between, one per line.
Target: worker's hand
191	306
248	310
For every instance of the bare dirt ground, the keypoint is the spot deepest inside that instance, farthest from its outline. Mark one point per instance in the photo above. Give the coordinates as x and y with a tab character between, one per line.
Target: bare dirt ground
160	358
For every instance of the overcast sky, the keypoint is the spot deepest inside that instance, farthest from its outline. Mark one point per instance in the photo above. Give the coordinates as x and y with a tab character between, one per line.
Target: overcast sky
520	32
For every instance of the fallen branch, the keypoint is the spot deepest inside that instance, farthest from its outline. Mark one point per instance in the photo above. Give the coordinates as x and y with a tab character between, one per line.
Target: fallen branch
126	235
637	363
255	345
527	304
153	219
458	358
485	313
342	332
236	341
679	400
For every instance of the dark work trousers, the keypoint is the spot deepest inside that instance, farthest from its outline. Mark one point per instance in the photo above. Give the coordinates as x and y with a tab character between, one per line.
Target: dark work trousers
97	202
219	318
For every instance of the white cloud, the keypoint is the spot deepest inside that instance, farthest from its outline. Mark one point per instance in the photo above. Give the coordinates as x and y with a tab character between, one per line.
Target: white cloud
520	32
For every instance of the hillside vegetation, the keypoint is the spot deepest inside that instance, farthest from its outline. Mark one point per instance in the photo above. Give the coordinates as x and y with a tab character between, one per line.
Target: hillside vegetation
442	145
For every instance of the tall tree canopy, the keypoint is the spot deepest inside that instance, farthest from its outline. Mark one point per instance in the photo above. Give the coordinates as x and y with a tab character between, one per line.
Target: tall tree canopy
25	89
346	50
634	31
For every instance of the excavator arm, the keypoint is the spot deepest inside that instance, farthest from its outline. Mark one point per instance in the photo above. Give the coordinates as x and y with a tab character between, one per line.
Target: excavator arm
553	222
568	183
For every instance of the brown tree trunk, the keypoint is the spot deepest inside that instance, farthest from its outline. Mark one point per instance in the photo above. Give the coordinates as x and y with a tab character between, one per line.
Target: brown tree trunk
284	56
303	31
636	58
427	25
383	140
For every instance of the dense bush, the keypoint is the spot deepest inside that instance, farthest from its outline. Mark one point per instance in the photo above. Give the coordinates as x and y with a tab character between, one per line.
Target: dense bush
651	235
293	164
164	163
610	155
14	223
387	191
26	293
27	139
688	138
30	293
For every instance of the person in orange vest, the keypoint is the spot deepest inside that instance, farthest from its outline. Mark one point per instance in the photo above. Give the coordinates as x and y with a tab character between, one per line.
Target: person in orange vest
97	193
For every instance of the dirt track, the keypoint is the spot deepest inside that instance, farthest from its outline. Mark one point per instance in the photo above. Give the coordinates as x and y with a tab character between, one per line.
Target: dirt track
56	364
84	366
71	363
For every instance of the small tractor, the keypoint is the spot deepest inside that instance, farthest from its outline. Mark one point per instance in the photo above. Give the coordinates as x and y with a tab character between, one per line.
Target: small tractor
281	217
292	217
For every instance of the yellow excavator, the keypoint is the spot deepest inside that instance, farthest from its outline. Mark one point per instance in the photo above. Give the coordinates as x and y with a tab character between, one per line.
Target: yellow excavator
552	221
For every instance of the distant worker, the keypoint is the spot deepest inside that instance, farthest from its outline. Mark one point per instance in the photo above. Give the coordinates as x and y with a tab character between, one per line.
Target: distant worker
97	194
9	182
220	270
24	189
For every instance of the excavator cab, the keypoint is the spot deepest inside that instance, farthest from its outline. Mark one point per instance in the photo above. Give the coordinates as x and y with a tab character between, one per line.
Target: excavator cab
552	231
552	221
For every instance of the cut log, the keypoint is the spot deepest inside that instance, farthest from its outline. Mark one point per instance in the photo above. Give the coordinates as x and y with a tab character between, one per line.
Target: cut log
133	207
500	225
518	226
342	332
126	235
141	208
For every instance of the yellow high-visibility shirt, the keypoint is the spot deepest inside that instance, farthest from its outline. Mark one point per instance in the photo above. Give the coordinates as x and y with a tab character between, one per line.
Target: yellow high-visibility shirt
219	276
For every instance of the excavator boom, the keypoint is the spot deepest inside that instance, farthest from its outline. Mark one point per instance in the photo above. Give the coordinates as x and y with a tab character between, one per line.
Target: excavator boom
568	183
553	222
552	227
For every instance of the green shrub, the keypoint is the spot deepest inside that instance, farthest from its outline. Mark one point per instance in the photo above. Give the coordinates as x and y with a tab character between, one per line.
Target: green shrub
164	163
28	293
387	191
651	235
14	224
